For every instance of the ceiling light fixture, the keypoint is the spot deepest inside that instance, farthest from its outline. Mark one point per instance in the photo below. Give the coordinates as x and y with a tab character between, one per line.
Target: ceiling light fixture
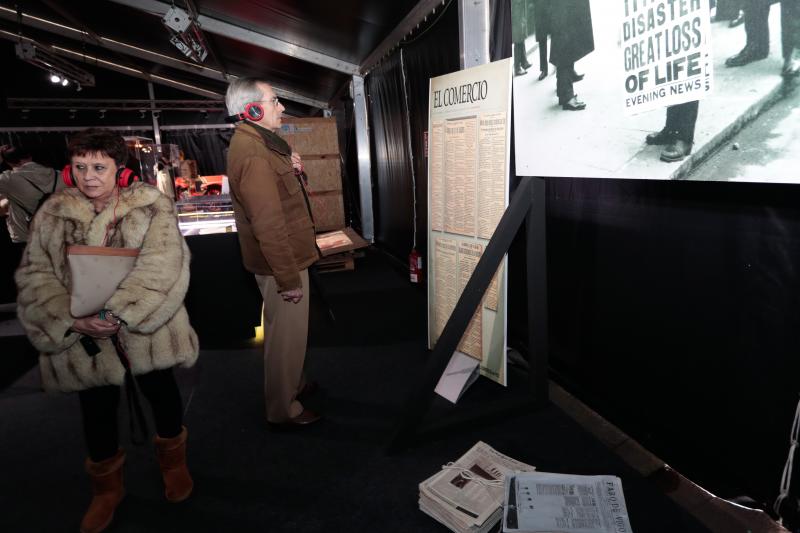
60	70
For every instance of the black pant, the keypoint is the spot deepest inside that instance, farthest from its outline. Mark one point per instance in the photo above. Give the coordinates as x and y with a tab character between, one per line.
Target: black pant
790	26
564	74
756	25
728	9
99	407
681	120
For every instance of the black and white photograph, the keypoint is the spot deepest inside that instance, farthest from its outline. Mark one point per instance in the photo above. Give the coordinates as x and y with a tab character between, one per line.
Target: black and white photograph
657	89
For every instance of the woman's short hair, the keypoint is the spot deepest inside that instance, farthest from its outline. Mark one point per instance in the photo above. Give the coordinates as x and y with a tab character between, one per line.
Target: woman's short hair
241	92
15	155
97	140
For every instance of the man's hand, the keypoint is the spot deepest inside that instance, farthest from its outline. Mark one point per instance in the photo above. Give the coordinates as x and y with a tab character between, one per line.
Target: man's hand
297	163
96	327
293	295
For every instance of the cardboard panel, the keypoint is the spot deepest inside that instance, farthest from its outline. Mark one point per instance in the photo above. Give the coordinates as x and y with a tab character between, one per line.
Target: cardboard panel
311	136
328	210
323	174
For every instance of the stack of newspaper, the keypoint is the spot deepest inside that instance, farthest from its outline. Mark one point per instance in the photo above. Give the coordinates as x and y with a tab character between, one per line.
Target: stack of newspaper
467	495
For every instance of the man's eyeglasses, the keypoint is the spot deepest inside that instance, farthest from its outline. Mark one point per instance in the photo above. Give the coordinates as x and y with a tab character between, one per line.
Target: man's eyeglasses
274	101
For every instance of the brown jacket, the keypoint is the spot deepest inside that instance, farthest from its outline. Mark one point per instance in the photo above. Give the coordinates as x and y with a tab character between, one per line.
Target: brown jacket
276	231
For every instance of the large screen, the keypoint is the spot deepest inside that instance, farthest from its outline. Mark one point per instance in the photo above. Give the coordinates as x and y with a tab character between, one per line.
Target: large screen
654	89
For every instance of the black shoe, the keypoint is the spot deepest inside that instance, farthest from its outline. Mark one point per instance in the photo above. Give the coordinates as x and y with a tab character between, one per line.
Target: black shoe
791	68
542	75
660	137
519	71
573	104
525	63
747	55
575	76
737	21
677	151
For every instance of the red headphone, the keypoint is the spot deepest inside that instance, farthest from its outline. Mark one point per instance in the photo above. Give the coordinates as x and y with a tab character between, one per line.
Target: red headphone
253	111
125	176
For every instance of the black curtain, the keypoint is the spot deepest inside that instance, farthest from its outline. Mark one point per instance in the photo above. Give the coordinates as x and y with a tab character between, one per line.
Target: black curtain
429	52
500	23
209	147
675	312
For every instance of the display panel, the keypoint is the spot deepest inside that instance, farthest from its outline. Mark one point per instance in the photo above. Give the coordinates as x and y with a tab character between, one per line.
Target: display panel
631	69
468	156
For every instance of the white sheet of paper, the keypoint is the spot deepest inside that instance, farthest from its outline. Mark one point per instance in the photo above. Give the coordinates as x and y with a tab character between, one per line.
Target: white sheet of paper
461	372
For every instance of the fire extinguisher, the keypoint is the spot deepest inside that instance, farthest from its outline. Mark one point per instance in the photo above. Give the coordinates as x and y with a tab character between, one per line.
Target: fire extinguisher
415	266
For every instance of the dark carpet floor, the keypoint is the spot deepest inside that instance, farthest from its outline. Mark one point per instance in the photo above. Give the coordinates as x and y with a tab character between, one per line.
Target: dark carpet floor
330	477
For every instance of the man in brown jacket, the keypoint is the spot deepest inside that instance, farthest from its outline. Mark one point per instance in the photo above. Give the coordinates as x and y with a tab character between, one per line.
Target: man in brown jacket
276	233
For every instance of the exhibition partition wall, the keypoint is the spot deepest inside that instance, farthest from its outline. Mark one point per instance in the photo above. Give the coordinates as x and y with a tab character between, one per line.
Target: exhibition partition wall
674	306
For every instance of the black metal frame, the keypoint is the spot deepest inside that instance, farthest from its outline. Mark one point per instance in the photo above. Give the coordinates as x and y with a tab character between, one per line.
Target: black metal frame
527	204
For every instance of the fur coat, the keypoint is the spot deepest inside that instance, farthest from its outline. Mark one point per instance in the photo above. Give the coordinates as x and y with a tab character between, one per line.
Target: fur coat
156	333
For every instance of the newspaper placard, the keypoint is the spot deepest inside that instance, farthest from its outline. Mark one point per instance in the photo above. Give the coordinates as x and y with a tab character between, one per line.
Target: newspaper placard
666	49
544	502
469	147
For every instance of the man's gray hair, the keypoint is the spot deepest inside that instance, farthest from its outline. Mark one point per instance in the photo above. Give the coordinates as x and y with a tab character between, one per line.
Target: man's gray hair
241	92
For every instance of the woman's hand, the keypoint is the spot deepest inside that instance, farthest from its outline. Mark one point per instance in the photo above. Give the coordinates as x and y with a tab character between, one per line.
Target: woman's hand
96	327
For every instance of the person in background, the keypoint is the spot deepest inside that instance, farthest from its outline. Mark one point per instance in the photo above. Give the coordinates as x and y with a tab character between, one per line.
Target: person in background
521	28
541	20
145	315
571	38
277	237
23	187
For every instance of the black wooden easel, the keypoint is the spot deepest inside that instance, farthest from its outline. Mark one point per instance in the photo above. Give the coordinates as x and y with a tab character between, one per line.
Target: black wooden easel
527	204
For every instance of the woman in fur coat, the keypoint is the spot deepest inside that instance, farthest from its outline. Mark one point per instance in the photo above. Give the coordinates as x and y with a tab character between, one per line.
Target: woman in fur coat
146	313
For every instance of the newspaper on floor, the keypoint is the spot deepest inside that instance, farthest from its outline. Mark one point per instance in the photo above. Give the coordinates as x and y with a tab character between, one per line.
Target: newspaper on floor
540	502
467	495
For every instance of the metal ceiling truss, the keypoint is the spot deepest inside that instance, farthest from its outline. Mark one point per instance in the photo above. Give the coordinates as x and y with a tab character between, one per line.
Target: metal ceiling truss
142	53
415	17
232	31
210	106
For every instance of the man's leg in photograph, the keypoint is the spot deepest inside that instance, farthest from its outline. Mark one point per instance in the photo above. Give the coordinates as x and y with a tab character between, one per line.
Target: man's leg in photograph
681	121
790	37
756	26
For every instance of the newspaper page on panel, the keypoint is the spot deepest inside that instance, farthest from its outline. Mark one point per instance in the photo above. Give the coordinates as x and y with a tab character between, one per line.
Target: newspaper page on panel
469	130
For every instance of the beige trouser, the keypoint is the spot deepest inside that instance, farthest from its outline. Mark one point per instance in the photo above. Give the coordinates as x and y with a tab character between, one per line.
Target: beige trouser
285	339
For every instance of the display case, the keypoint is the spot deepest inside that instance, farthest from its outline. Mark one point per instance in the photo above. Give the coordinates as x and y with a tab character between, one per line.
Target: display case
206	214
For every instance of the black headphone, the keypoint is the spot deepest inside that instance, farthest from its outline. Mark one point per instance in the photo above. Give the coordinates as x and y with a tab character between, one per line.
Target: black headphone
124	177
253	111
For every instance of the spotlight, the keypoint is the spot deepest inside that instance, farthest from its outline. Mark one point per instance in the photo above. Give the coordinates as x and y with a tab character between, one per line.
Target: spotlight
78	88
64	82
142	113
55	78
185	34
102	113
72	113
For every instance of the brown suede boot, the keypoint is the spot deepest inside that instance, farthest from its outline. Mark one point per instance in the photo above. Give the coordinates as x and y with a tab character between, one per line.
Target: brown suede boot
107	492
178	482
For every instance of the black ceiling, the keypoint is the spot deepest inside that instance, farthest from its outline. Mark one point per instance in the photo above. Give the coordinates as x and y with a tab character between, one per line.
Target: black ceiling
347	30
